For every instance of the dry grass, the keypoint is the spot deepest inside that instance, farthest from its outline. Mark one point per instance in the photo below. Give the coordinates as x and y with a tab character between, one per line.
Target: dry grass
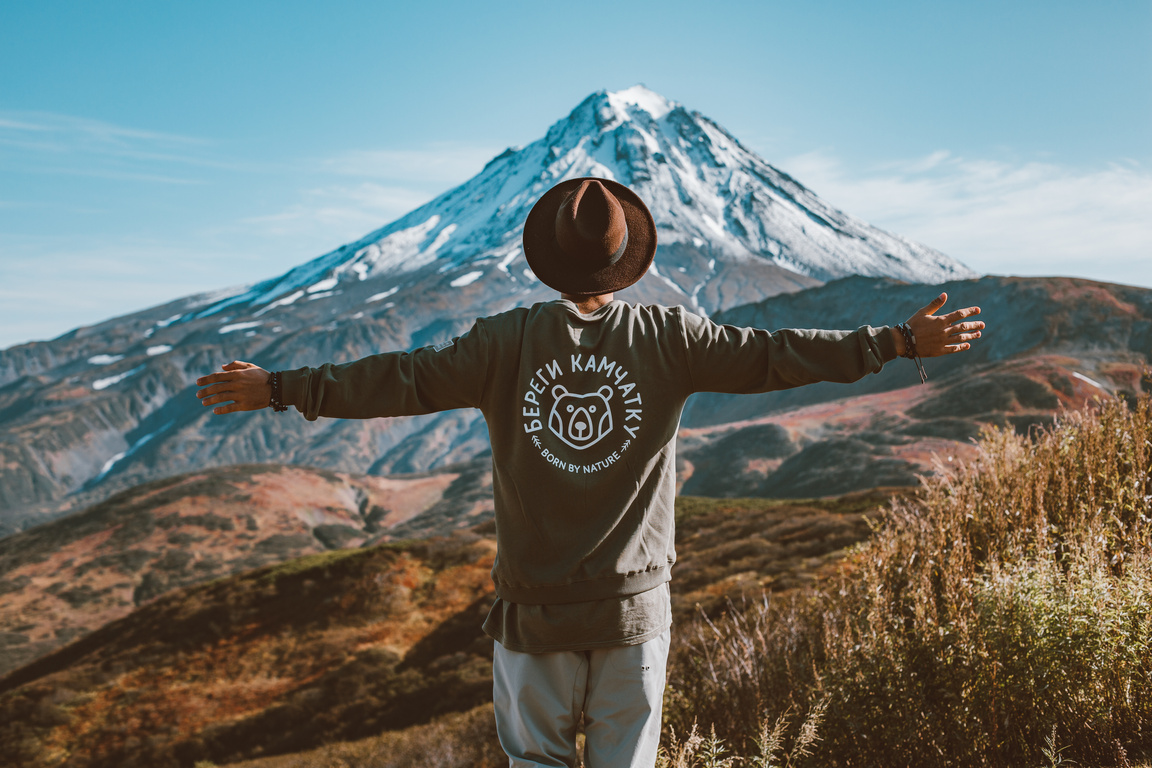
1009	598
462	740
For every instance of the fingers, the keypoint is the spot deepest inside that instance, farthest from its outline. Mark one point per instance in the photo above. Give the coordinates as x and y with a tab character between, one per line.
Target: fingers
236	402
215	389
934	305
235	365
963	332
960	314
239	386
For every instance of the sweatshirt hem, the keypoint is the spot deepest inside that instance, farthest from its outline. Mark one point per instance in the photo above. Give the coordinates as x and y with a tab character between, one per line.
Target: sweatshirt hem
576	647
583	591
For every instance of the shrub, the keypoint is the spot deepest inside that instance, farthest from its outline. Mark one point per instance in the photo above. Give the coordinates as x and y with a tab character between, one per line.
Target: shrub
1008	598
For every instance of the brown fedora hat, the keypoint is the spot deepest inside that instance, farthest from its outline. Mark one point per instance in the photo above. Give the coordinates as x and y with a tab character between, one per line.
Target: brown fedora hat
589	236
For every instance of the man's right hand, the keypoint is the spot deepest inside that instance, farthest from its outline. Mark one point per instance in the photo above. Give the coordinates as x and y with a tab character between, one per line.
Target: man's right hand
246	386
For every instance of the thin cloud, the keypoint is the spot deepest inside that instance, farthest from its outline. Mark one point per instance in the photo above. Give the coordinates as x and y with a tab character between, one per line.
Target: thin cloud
351	211
44	143
999	217
442	163
65	282
97	130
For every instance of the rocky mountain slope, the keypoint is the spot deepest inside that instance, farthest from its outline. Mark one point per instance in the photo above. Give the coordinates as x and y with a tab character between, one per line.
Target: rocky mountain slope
106	407
1051	343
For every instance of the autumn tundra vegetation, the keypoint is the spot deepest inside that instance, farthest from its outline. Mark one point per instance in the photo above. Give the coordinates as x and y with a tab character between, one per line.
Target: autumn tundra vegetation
998	615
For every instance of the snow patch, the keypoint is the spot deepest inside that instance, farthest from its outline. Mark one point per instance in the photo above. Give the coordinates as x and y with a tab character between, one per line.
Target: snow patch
109	464
1084	378
159	349
240	326
467	279
529	274
639	96
440	240
323	285
504	262
383	295
104	359
125	454
280	302
100	384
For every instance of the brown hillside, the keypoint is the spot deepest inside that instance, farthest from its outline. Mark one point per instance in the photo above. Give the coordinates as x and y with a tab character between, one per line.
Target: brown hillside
64	579
350	644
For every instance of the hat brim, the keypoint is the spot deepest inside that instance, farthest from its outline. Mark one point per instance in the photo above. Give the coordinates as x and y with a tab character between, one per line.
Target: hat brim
549	263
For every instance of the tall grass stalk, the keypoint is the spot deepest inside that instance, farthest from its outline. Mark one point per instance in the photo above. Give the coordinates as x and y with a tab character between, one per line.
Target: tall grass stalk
1009	597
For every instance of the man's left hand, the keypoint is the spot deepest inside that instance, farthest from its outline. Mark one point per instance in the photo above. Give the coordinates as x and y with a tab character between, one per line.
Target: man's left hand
246	387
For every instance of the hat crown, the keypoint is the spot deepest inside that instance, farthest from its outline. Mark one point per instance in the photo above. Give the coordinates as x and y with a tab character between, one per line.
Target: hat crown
590	225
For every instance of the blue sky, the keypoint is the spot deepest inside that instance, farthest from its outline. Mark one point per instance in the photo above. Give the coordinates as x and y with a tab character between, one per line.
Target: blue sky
152	150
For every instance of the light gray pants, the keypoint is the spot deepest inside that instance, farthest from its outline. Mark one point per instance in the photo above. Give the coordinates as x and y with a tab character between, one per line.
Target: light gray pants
620	690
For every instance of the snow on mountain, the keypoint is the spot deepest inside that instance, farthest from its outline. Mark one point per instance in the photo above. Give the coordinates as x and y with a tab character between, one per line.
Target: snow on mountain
705	190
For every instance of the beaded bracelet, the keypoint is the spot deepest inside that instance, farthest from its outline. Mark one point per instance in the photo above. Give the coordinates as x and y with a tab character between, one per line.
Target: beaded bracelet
910	350
277	399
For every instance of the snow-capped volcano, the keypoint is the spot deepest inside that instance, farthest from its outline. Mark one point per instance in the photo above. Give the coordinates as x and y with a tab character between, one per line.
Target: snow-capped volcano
108	406
708	194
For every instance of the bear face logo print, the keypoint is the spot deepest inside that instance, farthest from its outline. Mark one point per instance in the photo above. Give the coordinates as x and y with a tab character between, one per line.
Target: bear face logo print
580	421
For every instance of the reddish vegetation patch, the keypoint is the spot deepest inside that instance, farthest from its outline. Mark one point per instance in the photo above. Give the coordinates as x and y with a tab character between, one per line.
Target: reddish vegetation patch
70	577
1085	292
230	651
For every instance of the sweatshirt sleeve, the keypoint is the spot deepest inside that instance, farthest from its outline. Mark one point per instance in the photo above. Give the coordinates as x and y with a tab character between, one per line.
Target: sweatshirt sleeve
426	380
724	358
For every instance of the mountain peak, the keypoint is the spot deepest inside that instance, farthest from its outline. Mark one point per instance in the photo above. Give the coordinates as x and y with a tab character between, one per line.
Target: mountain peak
640	97
714	203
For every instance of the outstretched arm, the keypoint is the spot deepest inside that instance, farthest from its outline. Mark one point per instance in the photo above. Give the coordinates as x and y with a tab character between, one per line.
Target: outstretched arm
937	335
429	379
244	386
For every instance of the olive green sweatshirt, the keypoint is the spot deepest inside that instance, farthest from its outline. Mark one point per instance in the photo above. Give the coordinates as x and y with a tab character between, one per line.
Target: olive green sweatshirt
582	412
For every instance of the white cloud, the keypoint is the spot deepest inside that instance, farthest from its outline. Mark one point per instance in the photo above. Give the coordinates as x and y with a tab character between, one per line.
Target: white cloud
999	217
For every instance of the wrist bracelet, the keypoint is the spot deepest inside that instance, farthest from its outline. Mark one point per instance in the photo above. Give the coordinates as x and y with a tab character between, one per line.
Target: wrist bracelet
910	350
277	399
